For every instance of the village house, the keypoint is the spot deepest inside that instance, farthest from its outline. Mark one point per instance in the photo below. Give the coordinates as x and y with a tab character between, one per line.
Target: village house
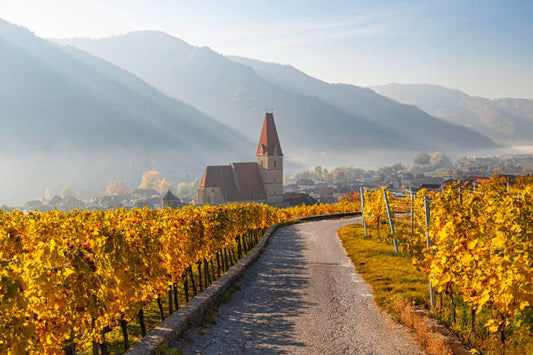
259	181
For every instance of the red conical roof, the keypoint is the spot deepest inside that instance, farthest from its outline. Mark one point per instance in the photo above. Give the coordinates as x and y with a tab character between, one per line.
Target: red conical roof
269	141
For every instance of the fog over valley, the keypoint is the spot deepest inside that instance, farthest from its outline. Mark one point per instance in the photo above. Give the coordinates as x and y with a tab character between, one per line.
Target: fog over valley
83	112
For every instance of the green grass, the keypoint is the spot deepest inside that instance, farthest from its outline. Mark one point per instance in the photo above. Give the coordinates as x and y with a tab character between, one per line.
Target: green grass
394	278
164	349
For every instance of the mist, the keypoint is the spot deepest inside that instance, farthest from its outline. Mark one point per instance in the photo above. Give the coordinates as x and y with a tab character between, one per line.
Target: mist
374	159
25	178
79	119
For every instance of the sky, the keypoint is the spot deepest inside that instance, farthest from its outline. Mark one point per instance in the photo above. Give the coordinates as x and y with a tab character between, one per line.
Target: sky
483	48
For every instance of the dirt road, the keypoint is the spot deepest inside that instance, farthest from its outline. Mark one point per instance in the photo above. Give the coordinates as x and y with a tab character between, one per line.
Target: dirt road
301	297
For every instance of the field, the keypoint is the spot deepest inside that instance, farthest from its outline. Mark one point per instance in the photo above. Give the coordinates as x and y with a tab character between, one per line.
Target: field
79	281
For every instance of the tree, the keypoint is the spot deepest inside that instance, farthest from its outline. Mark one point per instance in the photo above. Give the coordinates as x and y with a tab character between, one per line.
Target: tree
116	188
187	190
67	192
303	175
47	194
422	159
164	186
318	171
151	179
338	175
430	162
438	160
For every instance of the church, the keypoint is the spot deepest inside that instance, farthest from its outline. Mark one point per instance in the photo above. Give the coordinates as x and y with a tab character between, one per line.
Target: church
259	181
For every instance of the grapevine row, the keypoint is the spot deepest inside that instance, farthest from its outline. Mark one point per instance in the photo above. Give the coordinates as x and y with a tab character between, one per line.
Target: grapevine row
66	277
482	244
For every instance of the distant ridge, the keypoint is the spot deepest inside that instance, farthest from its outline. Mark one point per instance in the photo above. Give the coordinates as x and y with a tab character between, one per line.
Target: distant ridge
506	120
313	116
71	118
404	119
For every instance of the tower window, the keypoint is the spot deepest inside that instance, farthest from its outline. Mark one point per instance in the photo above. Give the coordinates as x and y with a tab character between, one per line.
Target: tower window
274	163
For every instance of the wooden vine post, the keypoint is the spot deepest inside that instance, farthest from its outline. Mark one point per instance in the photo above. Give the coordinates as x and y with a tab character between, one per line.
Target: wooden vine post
394	241
362	193
432	295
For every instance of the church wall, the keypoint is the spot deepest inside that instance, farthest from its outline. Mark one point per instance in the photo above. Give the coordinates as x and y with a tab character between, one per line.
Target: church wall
270	162
272	177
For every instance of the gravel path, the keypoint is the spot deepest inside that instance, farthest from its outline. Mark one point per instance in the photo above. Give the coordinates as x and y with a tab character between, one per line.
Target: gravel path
301	297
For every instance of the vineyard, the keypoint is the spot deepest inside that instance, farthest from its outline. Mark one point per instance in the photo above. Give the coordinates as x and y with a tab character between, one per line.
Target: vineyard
475	245
69	278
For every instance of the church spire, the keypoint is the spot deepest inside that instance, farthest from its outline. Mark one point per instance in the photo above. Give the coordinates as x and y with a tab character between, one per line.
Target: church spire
269	141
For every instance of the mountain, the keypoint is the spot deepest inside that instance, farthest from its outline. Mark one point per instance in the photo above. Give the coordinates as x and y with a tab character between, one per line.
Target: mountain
406	119
505	120
71	118
312	116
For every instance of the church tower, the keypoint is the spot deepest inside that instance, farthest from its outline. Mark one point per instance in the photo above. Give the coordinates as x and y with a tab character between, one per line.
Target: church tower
270	161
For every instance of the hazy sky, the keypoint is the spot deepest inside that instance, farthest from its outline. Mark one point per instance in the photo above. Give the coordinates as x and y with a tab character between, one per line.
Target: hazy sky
484	48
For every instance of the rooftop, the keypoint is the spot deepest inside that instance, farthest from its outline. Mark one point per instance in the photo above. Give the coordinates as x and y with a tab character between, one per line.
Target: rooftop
269	141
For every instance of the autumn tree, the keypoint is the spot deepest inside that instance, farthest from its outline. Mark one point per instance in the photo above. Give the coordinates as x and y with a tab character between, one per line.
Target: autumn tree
151	179
116	188
68	192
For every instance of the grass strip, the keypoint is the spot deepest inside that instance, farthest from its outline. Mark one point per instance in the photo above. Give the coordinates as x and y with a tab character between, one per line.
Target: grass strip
392	276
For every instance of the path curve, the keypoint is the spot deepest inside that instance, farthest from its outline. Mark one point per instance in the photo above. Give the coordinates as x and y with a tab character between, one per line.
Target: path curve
302	297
